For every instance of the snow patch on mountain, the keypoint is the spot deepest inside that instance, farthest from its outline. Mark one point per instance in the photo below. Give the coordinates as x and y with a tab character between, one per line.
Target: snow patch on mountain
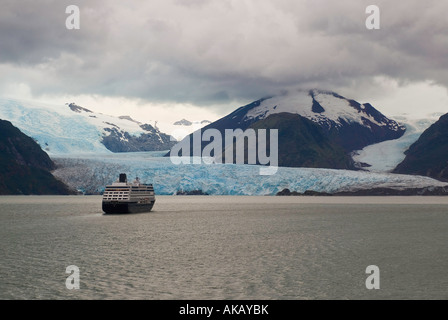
332	111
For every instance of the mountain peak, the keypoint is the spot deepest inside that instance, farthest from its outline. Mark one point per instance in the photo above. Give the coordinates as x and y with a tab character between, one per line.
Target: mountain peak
183	122
323	107
130	119
74	107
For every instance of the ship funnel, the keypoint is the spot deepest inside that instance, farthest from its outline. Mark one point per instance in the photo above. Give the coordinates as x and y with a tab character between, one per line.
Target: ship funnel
123	178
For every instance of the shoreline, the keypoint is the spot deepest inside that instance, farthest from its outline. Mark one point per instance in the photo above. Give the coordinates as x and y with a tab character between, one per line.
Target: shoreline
375	192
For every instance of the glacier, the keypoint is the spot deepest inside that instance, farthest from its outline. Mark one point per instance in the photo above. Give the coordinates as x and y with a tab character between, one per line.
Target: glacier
90	174
62	131
59	130
386	155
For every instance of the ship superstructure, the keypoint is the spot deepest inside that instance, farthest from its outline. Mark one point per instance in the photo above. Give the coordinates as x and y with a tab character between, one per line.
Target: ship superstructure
124	197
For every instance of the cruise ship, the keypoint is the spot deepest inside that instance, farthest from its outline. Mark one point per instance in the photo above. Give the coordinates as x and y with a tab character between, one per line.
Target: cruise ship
124	197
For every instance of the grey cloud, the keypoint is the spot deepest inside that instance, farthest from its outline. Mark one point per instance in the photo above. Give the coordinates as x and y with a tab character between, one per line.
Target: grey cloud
209	52
34	32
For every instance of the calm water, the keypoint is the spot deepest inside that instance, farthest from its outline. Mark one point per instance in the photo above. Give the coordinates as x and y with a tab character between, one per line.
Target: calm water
228	247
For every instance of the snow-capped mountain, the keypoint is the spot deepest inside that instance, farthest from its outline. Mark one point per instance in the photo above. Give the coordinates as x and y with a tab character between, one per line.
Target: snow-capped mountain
326	108
72	129
182	128
178	129
183	122
187	123
351	124
338	124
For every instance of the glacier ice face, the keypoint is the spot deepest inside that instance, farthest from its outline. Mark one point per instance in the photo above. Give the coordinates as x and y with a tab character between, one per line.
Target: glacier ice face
92	173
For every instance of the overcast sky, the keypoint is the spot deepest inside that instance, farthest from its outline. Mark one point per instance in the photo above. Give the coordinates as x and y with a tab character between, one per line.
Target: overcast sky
203	58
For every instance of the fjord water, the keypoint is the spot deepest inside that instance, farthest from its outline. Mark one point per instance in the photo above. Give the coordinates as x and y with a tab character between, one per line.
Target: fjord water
225	247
